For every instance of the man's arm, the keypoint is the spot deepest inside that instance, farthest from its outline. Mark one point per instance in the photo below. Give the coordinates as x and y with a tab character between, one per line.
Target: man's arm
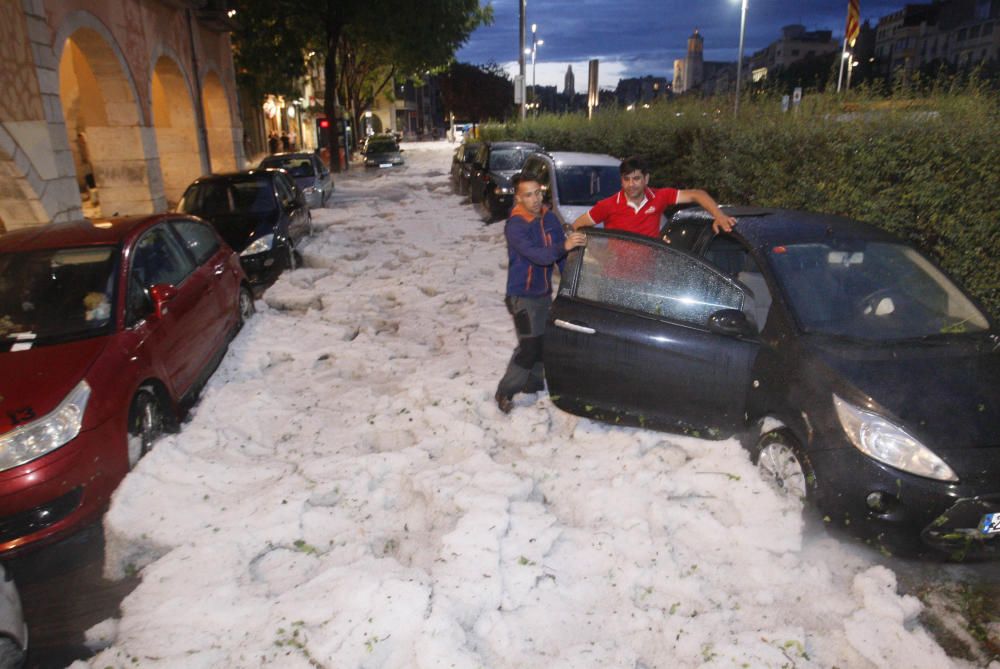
723	223
584	221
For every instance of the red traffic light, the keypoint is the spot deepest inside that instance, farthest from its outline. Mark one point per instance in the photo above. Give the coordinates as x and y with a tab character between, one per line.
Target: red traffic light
323	123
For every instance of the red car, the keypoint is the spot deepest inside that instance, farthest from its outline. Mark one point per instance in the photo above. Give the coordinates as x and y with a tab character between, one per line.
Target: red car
108	329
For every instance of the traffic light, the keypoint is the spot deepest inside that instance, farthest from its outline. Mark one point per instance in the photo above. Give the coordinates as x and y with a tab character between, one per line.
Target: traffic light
323	133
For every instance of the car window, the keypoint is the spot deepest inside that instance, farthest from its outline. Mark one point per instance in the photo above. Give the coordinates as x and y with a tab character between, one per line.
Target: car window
286	192
683	234
222	197
507	159
733	259
200	239
298	166
159	258
585	185
652	279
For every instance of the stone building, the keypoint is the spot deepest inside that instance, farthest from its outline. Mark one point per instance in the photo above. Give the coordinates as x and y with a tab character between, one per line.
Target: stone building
569	89
796	44
113	106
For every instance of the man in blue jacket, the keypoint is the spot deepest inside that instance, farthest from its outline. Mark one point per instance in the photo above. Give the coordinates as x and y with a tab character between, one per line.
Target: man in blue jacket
535	244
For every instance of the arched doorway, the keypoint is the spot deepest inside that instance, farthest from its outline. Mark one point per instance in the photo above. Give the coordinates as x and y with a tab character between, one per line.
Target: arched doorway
176	129
219	125
103	127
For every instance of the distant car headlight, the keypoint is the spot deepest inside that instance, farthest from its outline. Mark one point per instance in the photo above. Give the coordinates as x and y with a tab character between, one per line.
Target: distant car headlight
259	245
47	433
886	442
504	190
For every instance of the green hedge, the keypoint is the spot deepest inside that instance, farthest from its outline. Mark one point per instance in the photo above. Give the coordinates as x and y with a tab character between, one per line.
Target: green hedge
927	170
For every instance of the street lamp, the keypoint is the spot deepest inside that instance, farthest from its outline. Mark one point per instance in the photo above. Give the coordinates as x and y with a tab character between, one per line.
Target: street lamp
739	63
535	43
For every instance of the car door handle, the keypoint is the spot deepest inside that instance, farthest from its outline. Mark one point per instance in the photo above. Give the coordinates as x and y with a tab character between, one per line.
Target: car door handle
566	325
219	269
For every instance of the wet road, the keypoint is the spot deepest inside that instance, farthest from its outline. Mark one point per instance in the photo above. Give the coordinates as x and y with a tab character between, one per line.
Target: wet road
63	594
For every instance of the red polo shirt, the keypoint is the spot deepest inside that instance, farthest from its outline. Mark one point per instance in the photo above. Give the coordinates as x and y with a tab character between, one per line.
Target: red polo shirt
617	213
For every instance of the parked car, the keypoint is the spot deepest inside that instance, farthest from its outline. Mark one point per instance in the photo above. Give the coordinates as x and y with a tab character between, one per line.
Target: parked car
108	329
308	172
859	376
461	167
260	213
382	151
493	167
574	182
13	630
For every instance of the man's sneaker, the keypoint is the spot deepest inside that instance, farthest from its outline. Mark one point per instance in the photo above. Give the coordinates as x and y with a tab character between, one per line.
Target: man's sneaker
504	403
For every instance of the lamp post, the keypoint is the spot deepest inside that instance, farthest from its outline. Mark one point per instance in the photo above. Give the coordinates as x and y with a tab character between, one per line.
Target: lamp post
535	43
520	57
739	63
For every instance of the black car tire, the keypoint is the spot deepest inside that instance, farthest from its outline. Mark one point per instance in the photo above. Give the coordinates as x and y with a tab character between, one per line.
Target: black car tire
146	423
781	462
11	655
244	306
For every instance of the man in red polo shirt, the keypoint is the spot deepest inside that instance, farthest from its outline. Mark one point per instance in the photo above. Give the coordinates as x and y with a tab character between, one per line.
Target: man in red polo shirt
639	208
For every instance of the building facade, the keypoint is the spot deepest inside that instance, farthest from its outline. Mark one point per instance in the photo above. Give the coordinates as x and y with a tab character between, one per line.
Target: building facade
114	106
796	44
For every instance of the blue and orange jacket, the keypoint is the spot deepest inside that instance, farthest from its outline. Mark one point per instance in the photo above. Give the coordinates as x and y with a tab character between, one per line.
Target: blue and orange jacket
534	245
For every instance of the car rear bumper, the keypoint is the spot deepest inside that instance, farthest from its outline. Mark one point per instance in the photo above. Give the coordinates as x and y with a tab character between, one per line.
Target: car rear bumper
58	493
901	512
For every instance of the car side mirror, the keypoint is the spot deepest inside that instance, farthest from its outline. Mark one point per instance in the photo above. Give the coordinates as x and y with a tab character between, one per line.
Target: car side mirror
732	323
161	294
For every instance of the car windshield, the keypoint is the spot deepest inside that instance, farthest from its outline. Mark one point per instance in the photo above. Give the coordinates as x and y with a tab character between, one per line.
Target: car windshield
252	194
503	160
584	185
297	167
55	295
382	146
875	291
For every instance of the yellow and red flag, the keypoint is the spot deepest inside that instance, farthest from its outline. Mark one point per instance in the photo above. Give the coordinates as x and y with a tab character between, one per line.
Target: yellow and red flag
853	22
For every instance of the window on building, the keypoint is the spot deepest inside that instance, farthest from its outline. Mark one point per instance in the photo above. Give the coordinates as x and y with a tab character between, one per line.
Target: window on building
974	31
962	34
987	29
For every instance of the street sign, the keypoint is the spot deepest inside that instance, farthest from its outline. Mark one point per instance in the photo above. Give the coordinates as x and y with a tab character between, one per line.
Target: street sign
518	89
784	103
797	95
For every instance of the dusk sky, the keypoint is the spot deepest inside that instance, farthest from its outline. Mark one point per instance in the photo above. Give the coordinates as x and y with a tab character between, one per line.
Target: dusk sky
639	37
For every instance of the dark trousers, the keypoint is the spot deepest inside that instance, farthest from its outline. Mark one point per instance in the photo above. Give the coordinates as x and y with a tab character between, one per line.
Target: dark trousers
525	372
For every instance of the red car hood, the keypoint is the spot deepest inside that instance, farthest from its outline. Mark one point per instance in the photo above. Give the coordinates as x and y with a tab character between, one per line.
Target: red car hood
34	382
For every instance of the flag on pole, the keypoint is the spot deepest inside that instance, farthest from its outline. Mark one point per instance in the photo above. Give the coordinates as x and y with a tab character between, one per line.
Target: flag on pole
853	22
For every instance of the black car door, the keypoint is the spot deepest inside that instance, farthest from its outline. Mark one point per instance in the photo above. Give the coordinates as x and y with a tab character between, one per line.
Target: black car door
628	334
293	207
480	175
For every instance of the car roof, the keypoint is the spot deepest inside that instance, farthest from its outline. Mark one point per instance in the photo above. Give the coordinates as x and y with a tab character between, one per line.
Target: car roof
513	145
85	232
764	227
286	156
578	158
228	176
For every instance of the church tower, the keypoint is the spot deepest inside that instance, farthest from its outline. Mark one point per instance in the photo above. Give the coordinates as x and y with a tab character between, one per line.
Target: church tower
570	88
694	64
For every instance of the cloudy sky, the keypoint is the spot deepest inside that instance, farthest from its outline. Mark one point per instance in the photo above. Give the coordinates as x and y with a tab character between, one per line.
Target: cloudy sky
640	37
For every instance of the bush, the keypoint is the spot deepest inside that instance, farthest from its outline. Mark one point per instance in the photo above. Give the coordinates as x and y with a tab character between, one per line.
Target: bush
926	169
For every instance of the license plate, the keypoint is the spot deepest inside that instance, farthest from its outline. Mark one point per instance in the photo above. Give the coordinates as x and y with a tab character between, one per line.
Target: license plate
990	524
385	164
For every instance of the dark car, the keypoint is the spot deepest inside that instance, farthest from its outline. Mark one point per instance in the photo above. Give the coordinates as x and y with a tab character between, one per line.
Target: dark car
108	329
260	213
859	376
493	166
308	172
382	151
461	167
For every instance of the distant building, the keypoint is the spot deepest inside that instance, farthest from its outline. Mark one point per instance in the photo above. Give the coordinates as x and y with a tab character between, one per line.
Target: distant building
569	90
640	90
680	81
694	63
796	44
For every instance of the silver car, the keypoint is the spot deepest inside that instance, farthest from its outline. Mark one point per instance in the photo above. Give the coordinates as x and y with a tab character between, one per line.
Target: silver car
574	182
309	174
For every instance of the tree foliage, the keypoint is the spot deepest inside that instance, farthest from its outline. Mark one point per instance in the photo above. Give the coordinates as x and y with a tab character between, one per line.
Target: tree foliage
477	93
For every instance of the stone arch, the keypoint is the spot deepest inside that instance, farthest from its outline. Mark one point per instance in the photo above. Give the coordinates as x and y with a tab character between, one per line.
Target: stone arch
218	124
176	127
104	123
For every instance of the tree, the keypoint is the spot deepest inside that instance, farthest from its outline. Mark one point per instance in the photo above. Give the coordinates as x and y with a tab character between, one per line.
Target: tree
268	48
477	93
409	37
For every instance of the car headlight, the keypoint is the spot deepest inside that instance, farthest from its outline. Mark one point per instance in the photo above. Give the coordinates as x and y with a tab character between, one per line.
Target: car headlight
308	190
259	245
46	434
504	190
886	442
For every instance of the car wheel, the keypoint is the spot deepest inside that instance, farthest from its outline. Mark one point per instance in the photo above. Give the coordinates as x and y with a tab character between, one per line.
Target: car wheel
146	423
244	305
11	655
781	463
